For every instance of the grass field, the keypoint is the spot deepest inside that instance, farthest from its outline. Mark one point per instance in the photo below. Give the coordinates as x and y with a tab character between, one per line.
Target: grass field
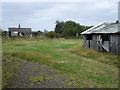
85	67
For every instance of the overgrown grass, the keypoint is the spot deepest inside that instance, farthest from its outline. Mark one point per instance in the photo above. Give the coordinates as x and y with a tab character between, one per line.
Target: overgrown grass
7	70
31	56
98	56
84	67
37	79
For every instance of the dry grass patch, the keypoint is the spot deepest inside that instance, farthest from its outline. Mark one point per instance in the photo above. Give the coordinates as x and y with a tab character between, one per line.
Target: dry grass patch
30	55
92	54
59	61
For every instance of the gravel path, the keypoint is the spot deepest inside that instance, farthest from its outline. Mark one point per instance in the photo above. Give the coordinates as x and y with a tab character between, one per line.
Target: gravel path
33	75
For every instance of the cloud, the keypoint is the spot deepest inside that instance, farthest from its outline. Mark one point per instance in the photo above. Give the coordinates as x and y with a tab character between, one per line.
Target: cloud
59	0
42	15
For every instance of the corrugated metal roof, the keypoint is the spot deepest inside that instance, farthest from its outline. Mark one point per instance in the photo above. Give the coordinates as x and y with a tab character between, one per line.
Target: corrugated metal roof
103	28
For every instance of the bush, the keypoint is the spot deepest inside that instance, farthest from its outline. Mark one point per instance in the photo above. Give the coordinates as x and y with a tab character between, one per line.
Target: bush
51	34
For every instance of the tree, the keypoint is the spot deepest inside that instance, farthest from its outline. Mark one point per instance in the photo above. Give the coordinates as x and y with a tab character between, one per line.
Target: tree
1	32
51	34
69	28
59	27
39	32
4	33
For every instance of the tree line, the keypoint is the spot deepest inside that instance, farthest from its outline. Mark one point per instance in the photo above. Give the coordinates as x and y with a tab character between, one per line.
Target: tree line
67	29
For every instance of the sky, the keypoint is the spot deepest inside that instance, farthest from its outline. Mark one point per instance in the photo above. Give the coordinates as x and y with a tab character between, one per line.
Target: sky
43	15
119	11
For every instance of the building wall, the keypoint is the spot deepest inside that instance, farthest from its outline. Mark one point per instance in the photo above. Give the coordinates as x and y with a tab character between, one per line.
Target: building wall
115	44
14	33
96	45
25	31
84	41
90	43
119	44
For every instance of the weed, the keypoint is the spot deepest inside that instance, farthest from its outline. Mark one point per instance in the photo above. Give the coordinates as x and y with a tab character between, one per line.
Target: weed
37	79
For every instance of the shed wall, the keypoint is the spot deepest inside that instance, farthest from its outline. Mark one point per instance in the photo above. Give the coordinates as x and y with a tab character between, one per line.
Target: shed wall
84	41
94	43
87	43
115	44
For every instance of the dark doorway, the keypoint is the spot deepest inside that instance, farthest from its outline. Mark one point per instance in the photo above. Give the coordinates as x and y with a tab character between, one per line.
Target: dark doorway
105	37
89	38
23	34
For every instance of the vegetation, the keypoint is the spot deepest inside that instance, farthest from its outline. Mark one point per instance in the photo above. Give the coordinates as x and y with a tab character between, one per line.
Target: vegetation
0	32
3	33
51	34
69	28
37	79
7	70
84	67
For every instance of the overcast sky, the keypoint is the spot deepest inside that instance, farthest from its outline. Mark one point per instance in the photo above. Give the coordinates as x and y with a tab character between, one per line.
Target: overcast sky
43	15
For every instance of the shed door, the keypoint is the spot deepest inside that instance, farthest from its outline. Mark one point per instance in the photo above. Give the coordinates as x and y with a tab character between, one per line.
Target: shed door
89	38
106	42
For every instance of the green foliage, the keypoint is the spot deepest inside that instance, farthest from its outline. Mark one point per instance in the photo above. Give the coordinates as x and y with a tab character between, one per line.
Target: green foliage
4	33
37	79
59	27
51	34
39	32
69	28
1	32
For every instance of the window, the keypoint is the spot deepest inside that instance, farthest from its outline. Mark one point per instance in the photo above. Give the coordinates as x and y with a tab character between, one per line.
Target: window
105	37
89	37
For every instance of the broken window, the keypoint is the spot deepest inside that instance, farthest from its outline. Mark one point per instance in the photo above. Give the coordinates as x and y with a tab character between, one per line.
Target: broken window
89	37
105	37
106	42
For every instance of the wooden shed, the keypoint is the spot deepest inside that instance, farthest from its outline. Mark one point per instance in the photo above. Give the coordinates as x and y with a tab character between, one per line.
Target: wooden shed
104	37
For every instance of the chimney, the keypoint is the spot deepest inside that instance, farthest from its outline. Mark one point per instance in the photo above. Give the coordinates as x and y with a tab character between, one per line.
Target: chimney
19	26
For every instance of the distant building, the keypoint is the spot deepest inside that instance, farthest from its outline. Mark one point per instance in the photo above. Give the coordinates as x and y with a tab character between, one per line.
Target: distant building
27	32
35	34
104	37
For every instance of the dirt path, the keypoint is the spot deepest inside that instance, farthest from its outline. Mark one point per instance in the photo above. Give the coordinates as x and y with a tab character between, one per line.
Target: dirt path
33	75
